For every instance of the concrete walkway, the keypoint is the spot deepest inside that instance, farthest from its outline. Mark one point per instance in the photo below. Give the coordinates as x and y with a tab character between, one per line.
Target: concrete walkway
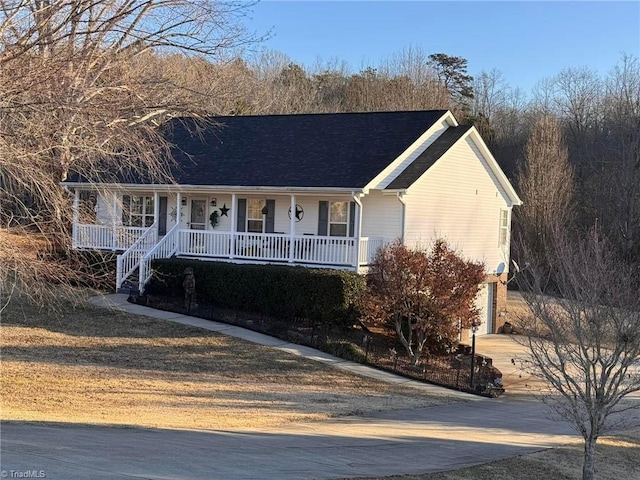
501	348
119	302
388	443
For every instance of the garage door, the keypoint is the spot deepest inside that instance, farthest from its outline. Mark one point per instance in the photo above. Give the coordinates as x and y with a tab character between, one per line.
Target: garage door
484	302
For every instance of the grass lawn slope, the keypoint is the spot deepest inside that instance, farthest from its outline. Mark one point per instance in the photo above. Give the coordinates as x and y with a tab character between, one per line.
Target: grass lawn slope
100	367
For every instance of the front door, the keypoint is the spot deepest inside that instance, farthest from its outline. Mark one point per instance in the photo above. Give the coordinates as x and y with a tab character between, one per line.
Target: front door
198	214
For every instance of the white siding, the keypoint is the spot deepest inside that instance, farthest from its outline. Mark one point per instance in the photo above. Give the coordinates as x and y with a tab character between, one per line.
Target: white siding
309	223
381	216
410	155
459	199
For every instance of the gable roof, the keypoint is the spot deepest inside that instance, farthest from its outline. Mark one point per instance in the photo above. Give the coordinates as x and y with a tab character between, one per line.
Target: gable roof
426	159
340	150
311	150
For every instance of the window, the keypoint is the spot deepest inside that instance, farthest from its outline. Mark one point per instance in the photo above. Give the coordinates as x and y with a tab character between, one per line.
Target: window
504	228
137	211
254	215
338	219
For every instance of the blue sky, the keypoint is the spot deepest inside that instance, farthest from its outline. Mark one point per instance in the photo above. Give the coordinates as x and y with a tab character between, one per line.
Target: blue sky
526	41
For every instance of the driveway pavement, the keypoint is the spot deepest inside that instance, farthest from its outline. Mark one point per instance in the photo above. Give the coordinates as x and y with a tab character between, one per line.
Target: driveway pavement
399	442
446	437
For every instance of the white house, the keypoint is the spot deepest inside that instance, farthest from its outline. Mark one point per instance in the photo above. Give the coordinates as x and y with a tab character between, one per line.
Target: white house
312	190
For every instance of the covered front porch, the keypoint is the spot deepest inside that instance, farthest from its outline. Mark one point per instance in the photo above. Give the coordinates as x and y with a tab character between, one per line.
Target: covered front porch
323	230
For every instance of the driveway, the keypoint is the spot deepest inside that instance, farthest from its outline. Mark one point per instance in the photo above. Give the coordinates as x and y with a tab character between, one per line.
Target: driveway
398	442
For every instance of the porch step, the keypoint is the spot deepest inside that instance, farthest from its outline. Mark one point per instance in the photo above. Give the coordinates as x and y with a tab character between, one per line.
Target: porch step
128	291
130	285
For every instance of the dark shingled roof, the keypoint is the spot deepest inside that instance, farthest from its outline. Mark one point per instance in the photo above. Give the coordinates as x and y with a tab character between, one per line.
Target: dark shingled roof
311	150
427	158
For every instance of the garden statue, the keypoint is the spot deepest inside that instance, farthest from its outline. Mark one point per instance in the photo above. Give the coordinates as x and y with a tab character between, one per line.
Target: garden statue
189	285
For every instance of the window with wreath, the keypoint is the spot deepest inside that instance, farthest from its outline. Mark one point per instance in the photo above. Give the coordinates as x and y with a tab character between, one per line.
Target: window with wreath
137	211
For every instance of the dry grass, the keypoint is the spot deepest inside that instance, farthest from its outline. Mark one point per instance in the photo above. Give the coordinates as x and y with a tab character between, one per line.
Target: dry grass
617	457
99	367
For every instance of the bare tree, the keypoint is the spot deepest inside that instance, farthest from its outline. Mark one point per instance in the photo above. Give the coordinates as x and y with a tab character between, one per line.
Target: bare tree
546	187
584	335
619	175
81	92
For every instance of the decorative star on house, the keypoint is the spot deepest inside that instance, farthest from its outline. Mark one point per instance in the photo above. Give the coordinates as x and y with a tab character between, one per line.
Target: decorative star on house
224	210
299	213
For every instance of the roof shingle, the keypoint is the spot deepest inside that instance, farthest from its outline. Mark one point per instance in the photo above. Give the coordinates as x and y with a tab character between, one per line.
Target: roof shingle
343	150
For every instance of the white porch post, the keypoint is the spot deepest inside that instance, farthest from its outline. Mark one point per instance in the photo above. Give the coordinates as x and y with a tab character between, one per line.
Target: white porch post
178	207
358	227
156	211
292	228
234	226
114	222
178	217
76	217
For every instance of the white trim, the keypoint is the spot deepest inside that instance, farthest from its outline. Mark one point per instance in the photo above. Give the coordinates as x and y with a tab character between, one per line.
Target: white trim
320	191
358	227
403	220
419	143
346	223
234	223
156	209
504	229
76	218
493	164
292	227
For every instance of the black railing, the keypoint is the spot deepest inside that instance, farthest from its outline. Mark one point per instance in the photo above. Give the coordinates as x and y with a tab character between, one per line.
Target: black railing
447	370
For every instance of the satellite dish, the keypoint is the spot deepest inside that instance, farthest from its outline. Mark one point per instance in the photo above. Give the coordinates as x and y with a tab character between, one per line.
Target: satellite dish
500	269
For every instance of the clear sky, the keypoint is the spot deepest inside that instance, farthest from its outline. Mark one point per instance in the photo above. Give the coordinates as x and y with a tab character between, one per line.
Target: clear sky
526	41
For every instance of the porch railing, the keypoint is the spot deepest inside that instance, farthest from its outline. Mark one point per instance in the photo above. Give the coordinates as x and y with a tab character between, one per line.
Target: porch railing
103	237
368	248
311	249
130	259
166	248
141	246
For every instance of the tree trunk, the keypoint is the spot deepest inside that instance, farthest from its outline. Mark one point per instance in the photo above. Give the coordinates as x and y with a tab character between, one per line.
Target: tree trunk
588	468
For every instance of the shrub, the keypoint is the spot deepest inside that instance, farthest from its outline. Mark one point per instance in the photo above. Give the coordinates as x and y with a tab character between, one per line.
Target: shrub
344	349
327	298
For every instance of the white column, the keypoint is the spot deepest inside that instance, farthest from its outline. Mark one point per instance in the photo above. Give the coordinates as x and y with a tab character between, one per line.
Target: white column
358	228
234	225
292	228
76	217
178	208
178	216
114	219
156	211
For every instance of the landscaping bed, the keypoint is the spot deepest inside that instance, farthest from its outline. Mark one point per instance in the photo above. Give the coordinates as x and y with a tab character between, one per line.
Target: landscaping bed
375	347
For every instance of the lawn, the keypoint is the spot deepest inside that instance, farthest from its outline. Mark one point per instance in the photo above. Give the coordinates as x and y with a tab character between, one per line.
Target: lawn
93	366
617	457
